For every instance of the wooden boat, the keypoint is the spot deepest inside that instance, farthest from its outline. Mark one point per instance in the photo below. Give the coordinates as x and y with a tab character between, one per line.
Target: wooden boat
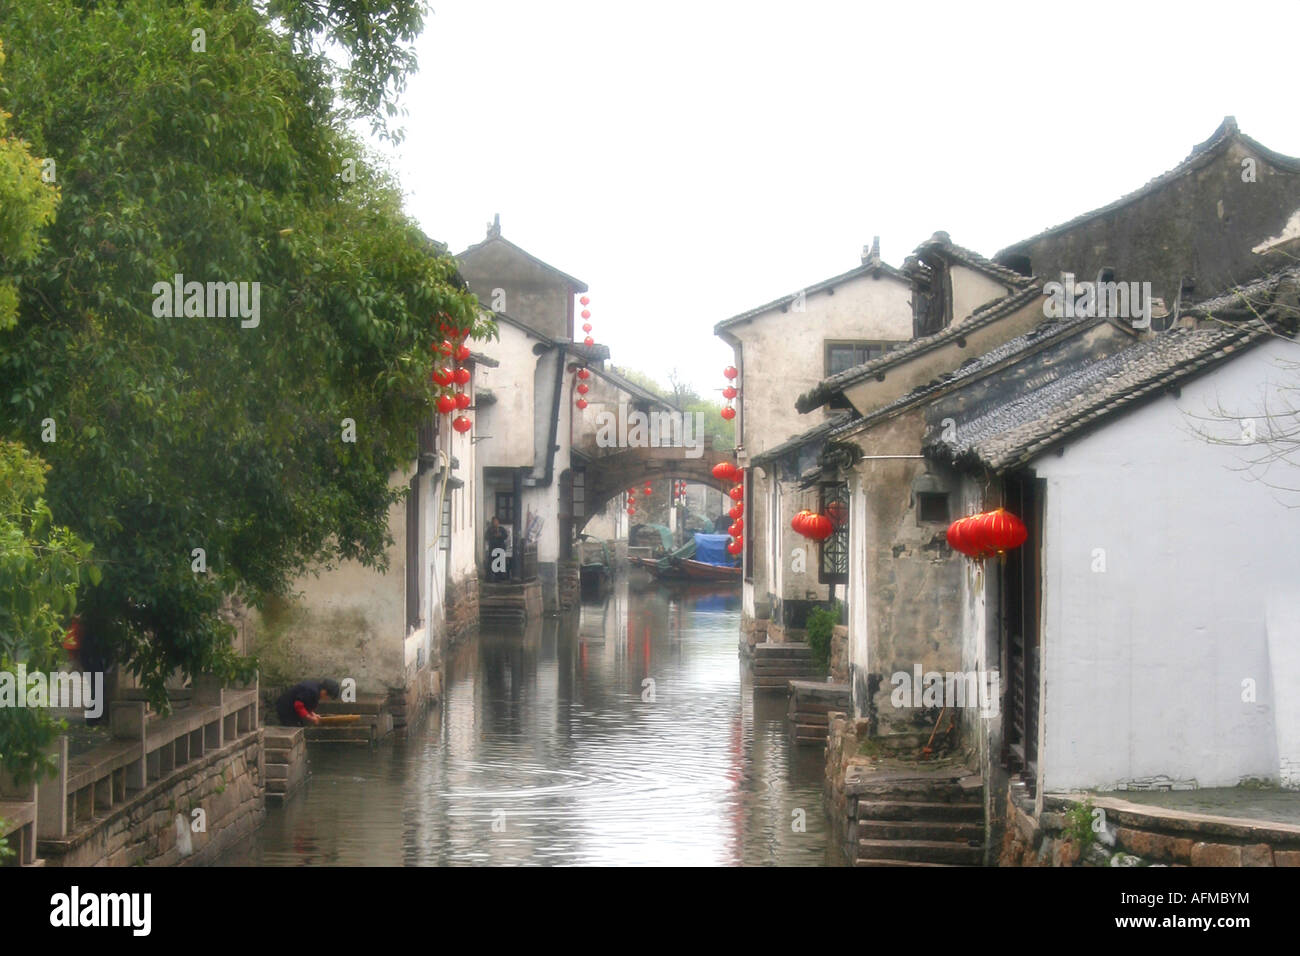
700	571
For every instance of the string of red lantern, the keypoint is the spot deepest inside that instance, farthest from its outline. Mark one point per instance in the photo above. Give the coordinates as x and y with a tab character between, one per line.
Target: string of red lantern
453	347
582	387
730	392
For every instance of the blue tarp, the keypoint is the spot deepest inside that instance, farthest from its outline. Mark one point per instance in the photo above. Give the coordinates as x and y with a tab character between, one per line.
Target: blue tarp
712	549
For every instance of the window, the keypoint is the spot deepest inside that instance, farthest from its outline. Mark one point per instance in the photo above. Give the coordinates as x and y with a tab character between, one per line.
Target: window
444	532
932	506
834	566
841	356
579	493
505	507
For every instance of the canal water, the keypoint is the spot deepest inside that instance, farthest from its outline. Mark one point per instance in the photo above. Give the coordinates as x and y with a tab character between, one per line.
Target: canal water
622	734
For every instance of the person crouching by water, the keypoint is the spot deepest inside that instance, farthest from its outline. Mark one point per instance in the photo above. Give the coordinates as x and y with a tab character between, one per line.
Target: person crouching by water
297	705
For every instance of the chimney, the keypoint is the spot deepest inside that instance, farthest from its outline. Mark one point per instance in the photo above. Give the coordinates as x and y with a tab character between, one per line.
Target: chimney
495	228
871	255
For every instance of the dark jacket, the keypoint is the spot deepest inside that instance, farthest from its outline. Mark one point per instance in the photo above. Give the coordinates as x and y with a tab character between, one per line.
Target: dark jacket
308	692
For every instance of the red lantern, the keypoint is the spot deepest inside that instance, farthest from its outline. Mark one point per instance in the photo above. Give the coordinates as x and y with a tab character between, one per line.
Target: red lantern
72	639
442	376
729	392
796	523
586	326
462	353
818	527
1003	531
446	403
967	535
736	493
735	547
461	375
728	412
735	529
589	341
446	348
736	511
585	301
462	424
583	389
730	372
631	511
724	471
649	490
462	400
584	374
586	313
581	403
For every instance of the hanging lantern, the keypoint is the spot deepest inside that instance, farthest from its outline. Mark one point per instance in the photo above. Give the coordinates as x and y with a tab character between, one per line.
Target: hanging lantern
585	301
72	639
462	400
462	353
966	535
649	491
736	546
442	376
584	374
462	424
735	511
581	403
1002	531
723	471
730	372
736	493
631	510
461	375
589	341
586	313
838	512
583	389
728	412
729	392
446	348
586	326
818	527
446	404
796	523
735	528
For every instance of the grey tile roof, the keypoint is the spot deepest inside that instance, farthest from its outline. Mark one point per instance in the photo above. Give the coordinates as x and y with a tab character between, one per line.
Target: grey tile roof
1009	434
1200	155
828	387
792	445
942	244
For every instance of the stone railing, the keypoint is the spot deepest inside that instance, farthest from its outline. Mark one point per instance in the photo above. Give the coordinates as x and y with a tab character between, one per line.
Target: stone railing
143	750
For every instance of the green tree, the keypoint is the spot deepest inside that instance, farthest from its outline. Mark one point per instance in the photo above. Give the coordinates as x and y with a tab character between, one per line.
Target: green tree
181	433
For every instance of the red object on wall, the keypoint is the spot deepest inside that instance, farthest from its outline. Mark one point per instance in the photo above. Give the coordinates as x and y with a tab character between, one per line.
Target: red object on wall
736	546
446	404
649	490
586	313
735	511
462	400
736	493
728	412
461	375
736	527
725	471
462	424
462	353
818	527
797	522
730	372
584	374
581	403
442	376
1001	531
631	511
583	389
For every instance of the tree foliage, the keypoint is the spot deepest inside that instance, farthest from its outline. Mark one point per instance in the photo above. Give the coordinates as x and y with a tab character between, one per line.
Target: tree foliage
192	432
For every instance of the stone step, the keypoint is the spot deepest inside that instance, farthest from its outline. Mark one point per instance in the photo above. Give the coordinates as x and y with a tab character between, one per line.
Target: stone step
919	810
810	730
944	831
860	861
922	851
364	705
804	717
762	651
348	734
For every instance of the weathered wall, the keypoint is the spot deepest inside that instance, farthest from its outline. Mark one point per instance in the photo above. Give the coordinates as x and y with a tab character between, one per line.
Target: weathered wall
971	289
529	291
226	784
509	420
1177	622
1204	224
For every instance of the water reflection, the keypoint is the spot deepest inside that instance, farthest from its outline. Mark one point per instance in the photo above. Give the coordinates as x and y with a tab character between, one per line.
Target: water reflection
623	734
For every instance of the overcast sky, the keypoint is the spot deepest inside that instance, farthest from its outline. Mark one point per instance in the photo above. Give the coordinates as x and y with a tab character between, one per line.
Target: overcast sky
689	161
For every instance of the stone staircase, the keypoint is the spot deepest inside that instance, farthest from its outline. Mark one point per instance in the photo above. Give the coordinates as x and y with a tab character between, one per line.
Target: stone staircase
285	752
916	816
775	665
509	603
376	722
810	702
